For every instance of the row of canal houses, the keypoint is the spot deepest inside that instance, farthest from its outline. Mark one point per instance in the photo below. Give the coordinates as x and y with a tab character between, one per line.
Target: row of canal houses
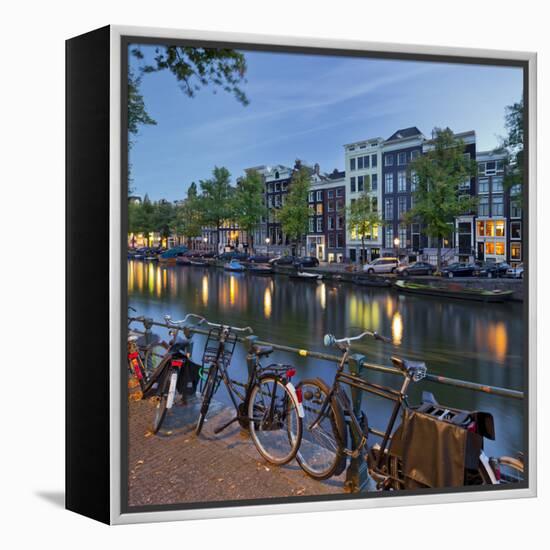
492	232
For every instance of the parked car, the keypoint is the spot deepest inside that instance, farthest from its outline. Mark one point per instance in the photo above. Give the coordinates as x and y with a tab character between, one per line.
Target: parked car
382	265
259	259
458	269
283	260
307	261
416	268
494	269
515	272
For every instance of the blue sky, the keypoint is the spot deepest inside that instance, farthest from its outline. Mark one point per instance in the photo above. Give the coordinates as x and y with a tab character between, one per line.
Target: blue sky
308	107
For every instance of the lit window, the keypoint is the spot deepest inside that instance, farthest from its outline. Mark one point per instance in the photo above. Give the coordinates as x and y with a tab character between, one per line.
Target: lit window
499	248
319	209
481	229
489	248
515	251
499	228
490	229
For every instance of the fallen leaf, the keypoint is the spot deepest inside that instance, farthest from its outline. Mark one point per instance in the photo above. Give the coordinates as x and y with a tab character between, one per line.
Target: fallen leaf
139	462
148	433
169	432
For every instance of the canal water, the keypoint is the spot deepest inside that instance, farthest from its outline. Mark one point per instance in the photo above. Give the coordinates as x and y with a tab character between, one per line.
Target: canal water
468	340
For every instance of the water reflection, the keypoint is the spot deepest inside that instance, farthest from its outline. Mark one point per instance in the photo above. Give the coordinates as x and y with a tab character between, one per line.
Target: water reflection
472	341
267	303
397	328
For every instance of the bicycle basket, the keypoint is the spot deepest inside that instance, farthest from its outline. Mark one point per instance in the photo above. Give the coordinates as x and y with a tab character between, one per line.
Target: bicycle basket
212	352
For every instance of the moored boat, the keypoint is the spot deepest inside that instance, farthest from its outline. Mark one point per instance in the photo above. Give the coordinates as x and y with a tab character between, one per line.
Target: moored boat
305	276
234	265
170	256
457	292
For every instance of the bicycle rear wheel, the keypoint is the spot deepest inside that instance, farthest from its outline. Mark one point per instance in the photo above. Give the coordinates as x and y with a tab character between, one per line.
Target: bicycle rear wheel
207	394
275	425
321	453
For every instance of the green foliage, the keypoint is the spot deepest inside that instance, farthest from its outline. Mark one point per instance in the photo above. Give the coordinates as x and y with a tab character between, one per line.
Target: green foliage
136	107
215	203
187	219
363	215
513	144
439	174
248	205
194	68
294	214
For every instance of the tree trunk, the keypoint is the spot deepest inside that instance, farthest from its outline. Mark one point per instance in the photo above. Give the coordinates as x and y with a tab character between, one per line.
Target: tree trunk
363	250
439	255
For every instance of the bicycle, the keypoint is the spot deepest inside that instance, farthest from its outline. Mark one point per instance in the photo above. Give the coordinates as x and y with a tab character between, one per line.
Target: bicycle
270	406
171	369
405	458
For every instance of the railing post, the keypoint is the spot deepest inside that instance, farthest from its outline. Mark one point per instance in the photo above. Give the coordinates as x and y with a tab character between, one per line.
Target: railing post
357	474
249	342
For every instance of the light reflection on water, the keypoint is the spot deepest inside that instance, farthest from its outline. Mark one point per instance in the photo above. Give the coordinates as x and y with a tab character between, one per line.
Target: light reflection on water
471	341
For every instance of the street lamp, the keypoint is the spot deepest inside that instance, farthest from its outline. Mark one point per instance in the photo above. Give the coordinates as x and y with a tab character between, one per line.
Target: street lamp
267	241
205	240
396	243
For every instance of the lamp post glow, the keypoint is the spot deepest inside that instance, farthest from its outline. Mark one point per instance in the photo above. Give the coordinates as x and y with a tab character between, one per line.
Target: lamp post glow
267	241
205	240
396	243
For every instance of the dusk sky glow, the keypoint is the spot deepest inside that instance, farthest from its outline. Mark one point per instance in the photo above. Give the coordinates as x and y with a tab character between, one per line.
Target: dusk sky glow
308	107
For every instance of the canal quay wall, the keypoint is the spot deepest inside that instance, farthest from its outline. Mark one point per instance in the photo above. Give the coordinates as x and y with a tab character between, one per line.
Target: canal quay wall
177	467
342	273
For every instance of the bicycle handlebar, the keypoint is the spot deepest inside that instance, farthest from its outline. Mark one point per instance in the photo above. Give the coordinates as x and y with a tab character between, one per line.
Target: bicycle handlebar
330	340
205	321
177	324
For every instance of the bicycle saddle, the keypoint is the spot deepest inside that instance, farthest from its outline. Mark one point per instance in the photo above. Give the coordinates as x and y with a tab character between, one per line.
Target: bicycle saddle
415	369
262	351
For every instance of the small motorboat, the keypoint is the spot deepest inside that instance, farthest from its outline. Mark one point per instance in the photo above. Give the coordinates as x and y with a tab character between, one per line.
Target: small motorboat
183	260
304	276
260	269
234	265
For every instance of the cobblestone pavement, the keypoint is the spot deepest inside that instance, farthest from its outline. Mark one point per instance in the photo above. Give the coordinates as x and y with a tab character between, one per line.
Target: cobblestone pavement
175	466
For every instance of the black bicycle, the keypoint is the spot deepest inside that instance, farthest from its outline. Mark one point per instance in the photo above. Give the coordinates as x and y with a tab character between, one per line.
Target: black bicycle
434	445
173	371
269	407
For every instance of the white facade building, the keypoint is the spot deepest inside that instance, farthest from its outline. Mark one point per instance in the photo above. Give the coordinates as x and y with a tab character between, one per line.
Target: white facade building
363	169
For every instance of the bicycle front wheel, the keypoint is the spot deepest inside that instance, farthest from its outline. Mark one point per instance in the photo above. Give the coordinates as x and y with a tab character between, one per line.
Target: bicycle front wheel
207	394
275	424
321	453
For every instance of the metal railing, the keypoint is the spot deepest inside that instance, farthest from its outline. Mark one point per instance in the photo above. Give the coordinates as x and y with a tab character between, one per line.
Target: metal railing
438	379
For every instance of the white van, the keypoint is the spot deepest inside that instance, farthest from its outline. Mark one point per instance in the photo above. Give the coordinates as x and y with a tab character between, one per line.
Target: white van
382	265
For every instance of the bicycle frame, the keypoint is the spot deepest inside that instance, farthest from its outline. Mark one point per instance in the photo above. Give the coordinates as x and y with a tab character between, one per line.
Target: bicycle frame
354	381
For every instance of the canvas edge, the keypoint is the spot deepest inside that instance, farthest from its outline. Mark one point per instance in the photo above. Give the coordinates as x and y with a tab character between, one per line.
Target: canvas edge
117	517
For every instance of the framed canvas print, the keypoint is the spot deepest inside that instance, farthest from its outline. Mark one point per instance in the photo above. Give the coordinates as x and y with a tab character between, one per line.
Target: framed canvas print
300	274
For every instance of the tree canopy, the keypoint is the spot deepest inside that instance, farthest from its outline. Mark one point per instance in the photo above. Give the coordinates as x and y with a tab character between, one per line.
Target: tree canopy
294	214
363	215
437	176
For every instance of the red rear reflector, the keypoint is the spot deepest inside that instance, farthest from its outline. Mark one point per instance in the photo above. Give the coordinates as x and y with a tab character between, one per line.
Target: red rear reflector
299	394
496	469
472	427
177	363
290	373
133	355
